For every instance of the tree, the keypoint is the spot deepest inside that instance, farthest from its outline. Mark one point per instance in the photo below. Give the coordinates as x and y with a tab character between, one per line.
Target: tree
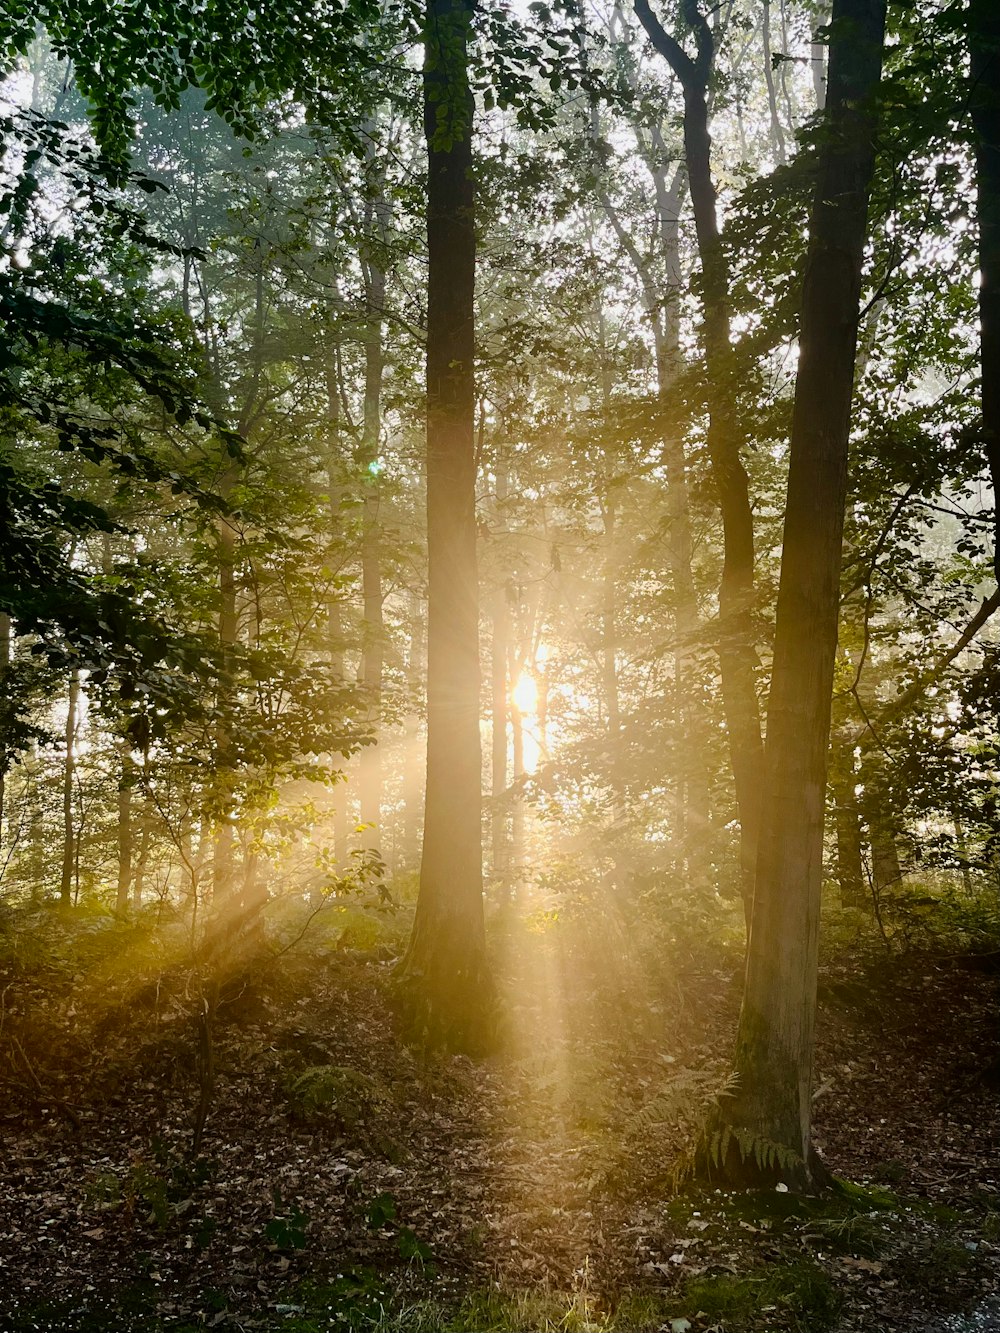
737	655
445	972
984	44
766	1127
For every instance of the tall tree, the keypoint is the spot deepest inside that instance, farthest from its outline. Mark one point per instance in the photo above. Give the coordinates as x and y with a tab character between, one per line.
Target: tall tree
767	1124
445	973
984	43
737	655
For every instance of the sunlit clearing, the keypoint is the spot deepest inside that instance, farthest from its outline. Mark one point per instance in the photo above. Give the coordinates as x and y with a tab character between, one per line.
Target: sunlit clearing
525	694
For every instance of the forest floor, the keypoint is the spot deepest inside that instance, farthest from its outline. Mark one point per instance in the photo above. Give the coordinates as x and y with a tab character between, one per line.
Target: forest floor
344	1181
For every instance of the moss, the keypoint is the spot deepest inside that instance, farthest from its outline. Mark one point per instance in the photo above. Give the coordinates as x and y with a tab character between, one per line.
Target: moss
864	1235
801	1294
869	1197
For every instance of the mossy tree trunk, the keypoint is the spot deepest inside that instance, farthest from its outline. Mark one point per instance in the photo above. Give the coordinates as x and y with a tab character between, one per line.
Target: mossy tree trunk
444	977
764	1132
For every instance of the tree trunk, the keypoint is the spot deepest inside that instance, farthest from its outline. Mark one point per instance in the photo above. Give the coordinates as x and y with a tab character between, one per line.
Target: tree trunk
334	618
500	710
376	223
225	539
984	44
414	759
766	1128
777	134
125	784
886	870
139	879
5	642
850	847
737	655
69	777
444	974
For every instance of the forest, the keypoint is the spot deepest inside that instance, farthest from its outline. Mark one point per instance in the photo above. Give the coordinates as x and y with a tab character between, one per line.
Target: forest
499	666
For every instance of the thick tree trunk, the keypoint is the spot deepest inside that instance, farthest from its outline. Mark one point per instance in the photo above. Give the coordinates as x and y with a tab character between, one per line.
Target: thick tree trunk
766	1128
984	44
444	974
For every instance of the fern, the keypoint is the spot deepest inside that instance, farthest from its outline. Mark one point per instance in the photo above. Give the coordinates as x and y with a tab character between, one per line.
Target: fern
767	1155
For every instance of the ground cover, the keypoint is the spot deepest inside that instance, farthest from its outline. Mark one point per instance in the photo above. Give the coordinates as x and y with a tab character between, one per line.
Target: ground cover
346	1180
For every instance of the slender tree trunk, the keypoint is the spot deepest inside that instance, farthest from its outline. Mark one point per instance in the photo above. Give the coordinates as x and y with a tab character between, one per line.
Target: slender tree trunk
766	1130
125	784
736	651
517	805
373	630
414	760
500	711
609	618
334	616
777	133
222	855
962	847
69	778
139	879
444	973
886	869
847	819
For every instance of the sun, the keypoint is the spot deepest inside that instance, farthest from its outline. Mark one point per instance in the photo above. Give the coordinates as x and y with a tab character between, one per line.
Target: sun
524	695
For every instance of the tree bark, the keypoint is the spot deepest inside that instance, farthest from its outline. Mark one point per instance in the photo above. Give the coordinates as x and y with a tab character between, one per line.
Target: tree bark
777	134
125	784
499	846
886	869
847	820
766	1128
139	879
375	224
334	618
5	644
737	655
984	47
414	760
69	777
444	975
222	853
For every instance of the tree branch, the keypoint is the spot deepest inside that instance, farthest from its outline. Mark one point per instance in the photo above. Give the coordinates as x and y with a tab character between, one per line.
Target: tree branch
869	733
668	46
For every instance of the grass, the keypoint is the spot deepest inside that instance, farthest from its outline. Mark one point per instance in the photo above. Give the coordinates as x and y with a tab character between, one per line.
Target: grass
800	1295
